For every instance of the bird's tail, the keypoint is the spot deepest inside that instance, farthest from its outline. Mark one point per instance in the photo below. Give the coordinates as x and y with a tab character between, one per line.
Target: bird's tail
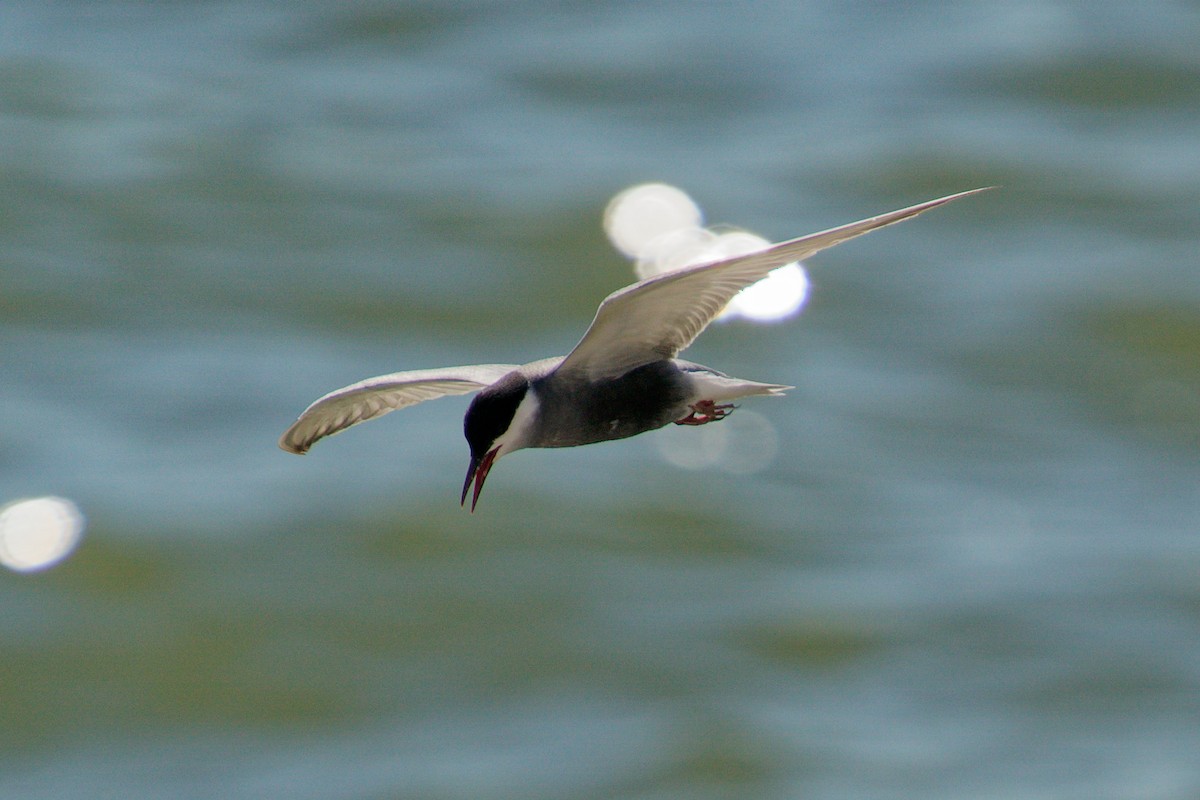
717	387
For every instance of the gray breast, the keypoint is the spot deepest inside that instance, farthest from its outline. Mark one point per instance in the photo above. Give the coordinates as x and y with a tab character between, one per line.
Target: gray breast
575	412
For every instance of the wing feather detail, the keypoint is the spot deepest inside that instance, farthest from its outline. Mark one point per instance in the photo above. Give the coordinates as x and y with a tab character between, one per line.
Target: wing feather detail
659	317
377	396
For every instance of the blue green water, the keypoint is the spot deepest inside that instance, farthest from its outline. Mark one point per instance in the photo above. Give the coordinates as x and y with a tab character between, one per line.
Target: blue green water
971	570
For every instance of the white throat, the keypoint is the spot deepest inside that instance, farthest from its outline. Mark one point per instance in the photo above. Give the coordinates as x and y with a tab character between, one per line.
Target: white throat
520	430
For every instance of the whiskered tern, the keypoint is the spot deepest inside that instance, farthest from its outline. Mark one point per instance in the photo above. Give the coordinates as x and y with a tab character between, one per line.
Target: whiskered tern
622	379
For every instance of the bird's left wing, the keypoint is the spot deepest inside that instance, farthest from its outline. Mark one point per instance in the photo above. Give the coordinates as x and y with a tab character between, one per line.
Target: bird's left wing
375	397
660	316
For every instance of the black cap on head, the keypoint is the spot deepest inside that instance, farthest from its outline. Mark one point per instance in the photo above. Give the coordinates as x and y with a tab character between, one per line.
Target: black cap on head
490	415
492	411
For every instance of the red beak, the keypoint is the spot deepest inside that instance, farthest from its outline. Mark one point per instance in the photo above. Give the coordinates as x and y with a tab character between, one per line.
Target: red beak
478	471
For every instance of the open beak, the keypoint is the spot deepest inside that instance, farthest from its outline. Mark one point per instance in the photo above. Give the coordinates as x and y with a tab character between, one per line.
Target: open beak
478	471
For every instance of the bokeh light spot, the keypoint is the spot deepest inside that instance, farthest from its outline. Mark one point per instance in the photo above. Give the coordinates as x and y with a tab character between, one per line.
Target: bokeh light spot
38	532
675	250
778	296
644	212
659	227
742	444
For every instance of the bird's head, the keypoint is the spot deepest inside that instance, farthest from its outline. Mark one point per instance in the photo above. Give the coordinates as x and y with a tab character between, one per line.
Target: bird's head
498	422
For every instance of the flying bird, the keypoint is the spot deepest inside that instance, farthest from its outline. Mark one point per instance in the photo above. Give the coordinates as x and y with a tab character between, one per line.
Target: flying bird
622	379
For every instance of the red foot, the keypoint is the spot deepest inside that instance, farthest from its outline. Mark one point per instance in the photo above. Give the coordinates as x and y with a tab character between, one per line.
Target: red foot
706	411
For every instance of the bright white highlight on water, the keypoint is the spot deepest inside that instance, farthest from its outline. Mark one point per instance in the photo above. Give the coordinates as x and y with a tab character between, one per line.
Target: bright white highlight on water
778	296
660	227
744	443
640	214
38	532
674	250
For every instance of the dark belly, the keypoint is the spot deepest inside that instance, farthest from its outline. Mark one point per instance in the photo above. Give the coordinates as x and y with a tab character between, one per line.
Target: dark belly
641	400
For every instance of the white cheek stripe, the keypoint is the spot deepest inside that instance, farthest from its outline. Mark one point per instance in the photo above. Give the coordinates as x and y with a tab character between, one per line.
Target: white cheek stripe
521	428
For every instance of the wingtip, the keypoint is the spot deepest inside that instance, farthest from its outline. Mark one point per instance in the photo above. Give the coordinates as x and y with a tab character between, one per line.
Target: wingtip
952	197
967	193
902	214
287	446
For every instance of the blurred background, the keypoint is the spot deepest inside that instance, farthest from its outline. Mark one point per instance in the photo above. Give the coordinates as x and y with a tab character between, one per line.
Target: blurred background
969	569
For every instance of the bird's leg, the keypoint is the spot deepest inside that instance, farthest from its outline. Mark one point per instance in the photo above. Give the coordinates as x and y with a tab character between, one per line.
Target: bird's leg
706	411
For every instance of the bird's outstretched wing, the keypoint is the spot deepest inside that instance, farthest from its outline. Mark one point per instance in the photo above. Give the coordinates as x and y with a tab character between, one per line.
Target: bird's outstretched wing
660	316
375	397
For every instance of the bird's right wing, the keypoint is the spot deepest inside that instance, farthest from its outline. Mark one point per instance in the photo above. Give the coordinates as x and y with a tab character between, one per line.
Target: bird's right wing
660	316
375	397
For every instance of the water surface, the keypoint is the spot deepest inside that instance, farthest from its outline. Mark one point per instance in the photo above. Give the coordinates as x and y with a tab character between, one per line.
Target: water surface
971	569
